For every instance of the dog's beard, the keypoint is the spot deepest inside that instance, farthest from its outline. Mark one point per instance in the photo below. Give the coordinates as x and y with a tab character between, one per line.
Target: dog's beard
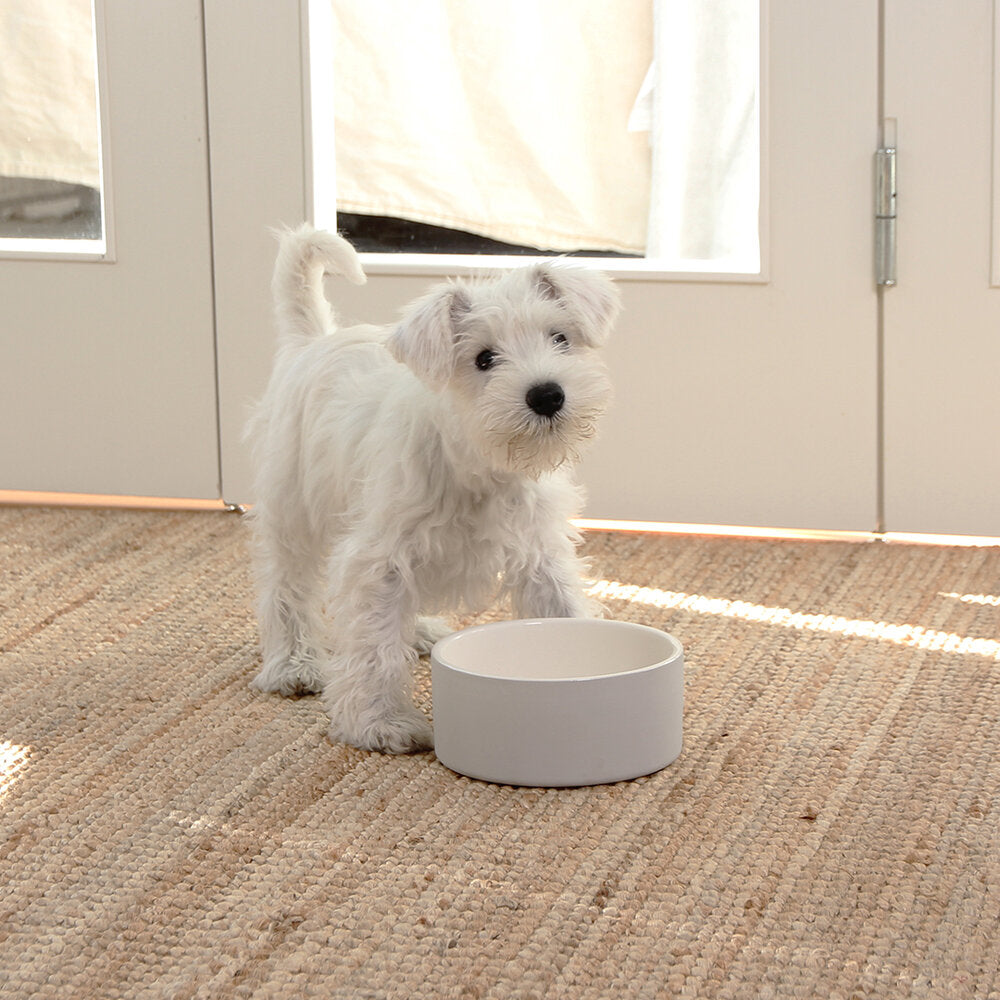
534	445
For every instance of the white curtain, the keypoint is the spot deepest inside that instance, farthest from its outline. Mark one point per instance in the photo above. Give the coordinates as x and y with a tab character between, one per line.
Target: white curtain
519	120
48	103
505	118
702	106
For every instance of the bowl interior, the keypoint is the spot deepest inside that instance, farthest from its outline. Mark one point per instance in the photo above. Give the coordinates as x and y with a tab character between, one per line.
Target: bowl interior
556	649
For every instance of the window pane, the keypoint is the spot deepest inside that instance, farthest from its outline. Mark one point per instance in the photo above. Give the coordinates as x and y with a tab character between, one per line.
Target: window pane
619	127
50	162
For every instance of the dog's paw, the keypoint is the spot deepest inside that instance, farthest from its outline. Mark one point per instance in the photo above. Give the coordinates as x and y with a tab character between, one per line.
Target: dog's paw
430	631
407	731
289	679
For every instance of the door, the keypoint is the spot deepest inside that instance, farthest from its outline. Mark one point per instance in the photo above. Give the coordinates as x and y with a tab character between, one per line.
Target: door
942	319
736	402
754	402
107	367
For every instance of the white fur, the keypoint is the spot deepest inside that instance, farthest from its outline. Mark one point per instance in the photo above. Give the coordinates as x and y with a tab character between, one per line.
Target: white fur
396	478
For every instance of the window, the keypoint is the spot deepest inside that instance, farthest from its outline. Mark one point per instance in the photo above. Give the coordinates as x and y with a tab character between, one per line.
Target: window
615	128
50	151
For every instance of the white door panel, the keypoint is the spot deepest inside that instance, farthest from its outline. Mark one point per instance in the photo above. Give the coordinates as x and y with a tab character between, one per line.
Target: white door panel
942	320
735	403
756	404
107	381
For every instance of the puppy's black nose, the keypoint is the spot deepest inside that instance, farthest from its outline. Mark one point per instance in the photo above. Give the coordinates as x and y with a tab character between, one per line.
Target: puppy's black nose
546	399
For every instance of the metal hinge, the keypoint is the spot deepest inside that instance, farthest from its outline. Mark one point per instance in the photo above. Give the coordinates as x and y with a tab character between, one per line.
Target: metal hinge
885	209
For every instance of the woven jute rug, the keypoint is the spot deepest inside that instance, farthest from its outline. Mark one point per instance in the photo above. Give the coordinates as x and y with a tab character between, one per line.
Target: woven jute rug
832	828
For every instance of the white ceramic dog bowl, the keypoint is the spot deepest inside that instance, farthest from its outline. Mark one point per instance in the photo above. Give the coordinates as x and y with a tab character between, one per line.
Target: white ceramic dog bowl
557	701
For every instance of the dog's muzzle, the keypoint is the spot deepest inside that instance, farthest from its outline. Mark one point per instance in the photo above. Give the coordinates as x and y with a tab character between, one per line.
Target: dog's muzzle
546	398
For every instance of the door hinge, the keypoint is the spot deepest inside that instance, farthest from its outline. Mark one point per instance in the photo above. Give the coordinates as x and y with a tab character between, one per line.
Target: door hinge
885	215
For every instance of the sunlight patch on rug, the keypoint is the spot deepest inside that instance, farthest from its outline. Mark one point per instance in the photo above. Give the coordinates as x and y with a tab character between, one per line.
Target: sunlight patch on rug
915	636
13	760
988	600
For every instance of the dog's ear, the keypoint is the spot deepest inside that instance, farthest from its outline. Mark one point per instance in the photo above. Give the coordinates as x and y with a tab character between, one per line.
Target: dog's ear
426	336
590	296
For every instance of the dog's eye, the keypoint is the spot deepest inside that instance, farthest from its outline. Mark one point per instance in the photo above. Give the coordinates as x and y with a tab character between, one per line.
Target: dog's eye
560	340
485	360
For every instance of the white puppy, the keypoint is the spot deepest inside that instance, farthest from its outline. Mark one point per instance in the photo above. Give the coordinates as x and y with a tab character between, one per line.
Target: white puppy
413	469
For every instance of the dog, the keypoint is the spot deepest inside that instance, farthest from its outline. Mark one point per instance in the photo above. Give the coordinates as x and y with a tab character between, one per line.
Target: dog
416	469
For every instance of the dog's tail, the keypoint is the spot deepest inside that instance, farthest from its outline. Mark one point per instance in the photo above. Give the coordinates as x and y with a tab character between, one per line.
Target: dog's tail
305	255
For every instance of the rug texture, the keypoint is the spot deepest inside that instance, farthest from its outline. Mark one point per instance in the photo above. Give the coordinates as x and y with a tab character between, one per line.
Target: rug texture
832	828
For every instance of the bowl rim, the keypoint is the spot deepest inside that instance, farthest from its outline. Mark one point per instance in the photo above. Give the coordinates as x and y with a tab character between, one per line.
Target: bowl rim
676	651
